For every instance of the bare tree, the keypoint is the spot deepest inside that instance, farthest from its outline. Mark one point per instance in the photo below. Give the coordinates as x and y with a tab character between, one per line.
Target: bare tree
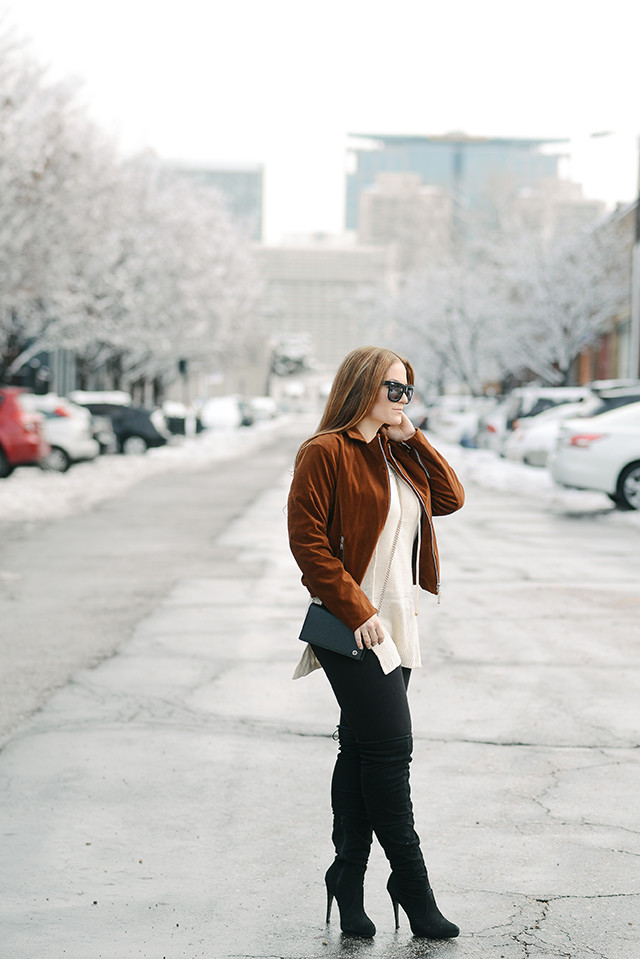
562	302
126	265
509	299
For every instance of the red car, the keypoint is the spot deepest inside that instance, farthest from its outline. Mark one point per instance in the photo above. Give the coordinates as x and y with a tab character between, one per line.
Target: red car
22	441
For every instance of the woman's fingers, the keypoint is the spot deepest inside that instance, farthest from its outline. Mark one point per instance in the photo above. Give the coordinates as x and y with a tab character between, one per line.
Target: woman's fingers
370	633
363	640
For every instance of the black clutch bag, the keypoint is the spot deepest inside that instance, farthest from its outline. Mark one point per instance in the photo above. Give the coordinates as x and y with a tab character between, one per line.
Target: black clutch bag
322	628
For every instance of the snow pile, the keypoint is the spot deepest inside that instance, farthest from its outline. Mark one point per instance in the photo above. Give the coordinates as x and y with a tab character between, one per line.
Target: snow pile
33	494
486	468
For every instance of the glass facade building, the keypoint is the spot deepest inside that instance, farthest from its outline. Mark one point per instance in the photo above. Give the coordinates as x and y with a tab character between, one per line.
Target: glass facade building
466	167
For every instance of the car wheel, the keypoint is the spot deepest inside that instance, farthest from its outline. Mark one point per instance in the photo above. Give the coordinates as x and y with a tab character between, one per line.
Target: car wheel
6	469
628	489
57	460
134	446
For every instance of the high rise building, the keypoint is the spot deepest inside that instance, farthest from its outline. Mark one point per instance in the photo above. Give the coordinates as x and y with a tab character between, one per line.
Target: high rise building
556	208
465	167
413	219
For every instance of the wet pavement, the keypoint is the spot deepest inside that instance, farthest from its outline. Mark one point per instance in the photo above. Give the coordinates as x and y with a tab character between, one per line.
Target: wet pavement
173	800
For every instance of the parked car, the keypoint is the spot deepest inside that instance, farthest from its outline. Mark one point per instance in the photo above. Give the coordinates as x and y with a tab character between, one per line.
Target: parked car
22	440
67	428
136	429
601	453
262	408
454	418
102	430
533	438
613	394
181	420
522	402
225	413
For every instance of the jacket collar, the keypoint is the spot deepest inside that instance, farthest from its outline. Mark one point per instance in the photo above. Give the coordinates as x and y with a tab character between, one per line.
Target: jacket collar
354	433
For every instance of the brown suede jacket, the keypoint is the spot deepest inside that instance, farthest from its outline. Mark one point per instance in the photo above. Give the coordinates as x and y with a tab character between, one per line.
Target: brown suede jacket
338	505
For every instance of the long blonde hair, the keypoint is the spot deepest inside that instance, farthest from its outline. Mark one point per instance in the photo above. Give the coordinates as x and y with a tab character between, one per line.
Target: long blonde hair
355	389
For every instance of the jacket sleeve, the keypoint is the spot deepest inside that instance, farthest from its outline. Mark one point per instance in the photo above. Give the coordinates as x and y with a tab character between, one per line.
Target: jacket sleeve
447	493
309	512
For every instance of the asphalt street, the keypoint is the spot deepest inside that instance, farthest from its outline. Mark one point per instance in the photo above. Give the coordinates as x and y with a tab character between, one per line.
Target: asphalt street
164	784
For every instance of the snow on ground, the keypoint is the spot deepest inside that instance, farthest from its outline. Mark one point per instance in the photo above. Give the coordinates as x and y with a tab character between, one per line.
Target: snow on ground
32	494
486	468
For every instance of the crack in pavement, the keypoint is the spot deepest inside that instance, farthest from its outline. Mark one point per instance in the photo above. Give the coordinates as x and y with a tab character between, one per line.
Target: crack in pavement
527	744
128	708
531	943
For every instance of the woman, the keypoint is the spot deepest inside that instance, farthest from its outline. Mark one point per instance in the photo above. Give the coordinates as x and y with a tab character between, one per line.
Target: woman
364	490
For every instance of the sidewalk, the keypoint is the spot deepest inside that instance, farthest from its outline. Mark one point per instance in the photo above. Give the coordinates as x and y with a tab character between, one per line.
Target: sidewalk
174	801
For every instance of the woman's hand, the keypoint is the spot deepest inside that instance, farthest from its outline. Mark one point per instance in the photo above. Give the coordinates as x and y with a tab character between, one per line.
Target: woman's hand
398	434
370	633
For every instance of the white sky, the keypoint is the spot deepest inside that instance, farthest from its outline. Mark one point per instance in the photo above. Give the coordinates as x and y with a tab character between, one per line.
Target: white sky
282	82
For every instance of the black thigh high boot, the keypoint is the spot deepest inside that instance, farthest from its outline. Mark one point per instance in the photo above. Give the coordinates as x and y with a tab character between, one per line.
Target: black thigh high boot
352	837
387	796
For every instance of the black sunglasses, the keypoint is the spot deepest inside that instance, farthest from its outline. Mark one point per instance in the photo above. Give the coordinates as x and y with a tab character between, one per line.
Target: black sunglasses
396	390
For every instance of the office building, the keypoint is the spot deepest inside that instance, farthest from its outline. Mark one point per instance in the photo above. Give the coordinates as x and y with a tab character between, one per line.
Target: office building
413	219
556	208
324	288
467	168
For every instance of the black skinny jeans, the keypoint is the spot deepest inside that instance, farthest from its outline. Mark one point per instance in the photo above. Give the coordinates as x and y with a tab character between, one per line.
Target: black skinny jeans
374	706
370	788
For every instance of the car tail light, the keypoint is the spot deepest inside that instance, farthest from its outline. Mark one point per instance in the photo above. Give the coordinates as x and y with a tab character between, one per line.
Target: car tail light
584	440
491	428
60	411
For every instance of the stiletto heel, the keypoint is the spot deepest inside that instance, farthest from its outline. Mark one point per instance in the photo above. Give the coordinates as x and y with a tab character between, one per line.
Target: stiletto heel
329	904
395	912
424	917
345	883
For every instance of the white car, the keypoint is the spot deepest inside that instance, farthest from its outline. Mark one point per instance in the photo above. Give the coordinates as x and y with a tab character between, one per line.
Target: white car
533	438
221	413
453	418
263	408
67	428
523	402
602	453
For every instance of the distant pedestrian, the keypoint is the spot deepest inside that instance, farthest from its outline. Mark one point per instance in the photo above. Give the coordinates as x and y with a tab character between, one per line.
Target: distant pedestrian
364	490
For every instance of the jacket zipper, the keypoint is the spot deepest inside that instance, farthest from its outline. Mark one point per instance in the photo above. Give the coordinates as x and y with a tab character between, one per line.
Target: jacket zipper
426	513
386	470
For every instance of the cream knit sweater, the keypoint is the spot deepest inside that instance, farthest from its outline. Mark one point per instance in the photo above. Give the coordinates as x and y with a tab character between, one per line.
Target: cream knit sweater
398	611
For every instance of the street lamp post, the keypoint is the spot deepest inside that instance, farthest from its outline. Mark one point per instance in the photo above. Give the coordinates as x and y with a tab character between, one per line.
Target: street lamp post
634	332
